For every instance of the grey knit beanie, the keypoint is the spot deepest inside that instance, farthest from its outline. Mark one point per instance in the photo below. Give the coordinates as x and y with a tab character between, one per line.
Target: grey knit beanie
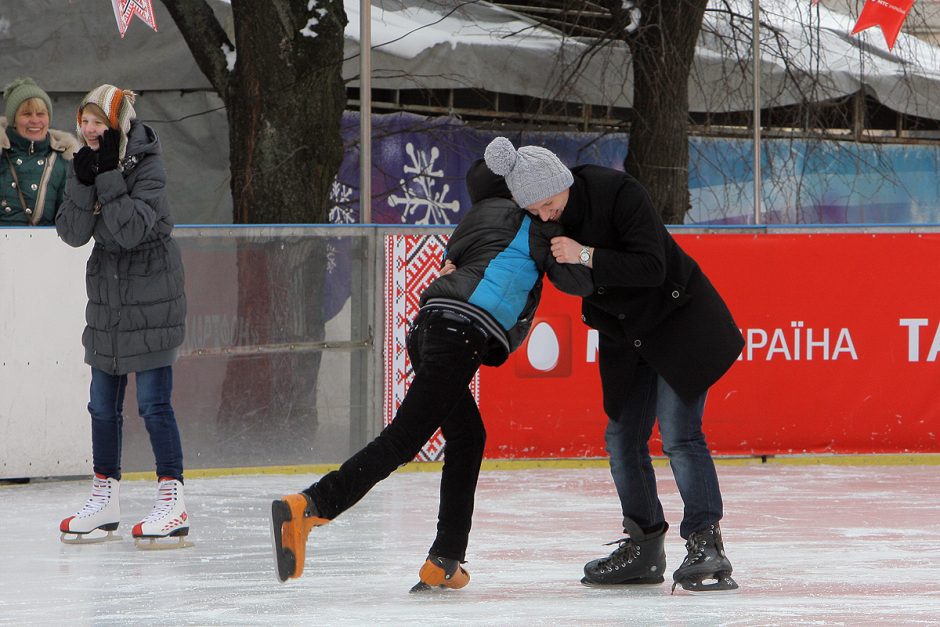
532	173
19	91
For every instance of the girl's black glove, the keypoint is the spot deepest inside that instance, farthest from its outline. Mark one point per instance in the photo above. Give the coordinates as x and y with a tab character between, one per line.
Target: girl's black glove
85	163
108	144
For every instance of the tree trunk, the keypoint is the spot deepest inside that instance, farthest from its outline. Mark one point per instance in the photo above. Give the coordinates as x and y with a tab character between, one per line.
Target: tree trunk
284	111
284	94
658	154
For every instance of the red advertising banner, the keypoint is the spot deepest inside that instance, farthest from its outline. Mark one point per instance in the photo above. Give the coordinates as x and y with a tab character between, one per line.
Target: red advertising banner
842	338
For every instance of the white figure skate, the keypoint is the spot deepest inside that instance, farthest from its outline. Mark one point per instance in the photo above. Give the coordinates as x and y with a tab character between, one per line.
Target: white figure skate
167	519
101	512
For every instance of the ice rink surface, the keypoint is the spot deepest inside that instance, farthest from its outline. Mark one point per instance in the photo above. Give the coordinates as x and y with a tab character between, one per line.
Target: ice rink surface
810	545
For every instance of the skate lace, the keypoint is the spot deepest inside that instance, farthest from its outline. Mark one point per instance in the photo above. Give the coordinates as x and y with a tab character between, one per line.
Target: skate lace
166	499
624	554
695	545
100	496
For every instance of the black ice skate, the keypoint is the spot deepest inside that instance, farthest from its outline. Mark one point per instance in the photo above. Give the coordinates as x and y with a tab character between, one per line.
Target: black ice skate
639	559
705	568
441	573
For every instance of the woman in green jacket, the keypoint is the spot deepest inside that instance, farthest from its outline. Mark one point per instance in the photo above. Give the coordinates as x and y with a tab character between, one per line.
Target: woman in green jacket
34	161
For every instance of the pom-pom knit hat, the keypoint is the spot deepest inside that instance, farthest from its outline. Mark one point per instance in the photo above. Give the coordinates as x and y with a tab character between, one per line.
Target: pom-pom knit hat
118	106
19	91
532	173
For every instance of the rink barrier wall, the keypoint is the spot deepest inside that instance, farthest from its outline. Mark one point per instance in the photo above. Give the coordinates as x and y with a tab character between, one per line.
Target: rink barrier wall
285	366
920	459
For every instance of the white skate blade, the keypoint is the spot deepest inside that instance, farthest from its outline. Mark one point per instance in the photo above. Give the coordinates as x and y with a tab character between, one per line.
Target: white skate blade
162	544
95	536
708	585
646	585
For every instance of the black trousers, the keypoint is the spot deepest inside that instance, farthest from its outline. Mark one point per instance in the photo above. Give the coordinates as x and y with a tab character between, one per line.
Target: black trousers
446	350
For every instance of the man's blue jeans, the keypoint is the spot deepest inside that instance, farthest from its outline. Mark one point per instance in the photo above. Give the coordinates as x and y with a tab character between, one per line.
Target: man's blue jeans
647	398
154	388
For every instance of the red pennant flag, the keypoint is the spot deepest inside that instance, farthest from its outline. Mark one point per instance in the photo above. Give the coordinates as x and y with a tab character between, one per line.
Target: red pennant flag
125	10
888	14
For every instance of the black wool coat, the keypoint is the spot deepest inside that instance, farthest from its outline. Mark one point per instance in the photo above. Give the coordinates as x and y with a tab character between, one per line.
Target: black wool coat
650	296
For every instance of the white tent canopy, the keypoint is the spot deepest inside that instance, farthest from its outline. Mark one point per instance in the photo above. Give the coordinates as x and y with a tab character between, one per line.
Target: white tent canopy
807	52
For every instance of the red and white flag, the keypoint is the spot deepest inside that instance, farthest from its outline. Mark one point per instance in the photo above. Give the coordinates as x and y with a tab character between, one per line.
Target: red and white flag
888	14
125	10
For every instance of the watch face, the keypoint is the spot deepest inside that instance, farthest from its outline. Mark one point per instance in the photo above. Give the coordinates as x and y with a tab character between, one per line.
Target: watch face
585	256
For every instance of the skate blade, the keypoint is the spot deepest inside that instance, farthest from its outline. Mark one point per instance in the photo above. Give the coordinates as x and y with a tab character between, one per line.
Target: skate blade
626	585
155	544
284	561
69	537
421	587
707	585
426	588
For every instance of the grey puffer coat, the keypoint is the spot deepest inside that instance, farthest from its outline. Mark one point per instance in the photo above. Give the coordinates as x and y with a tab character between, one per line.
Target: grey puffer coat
134	278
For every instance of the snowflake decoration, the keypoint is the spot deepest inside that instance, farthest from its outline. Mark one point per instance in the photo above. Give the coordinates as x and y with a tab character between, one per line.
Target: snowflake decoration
420	193
341	212
330	258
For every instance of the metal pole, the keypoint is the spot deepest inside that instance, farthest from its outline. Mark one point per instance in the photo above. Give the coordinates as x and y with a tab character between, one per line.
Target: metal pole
755	49
365	111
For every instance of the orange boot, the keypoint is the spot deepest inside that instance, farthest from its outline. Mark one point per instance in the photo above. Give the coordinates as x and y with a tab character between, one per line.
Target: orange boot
292	518
441	572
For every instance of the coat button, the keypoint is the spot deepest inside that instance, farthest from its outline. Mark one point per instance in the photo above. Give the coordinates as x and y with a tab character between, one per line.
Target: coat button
601	290
40	162
637	343
34	187
7	209
675	293
19	162
621	316
583	318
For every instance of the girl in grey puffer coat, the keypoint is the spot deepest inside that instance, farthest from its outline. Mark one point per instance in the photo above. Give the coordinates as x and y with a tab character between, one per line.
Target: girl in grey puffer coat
116	194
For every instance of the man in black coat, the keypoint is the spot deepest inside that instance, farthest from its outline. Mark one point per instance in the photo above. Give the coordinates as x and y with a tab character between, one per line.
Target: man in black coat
665	337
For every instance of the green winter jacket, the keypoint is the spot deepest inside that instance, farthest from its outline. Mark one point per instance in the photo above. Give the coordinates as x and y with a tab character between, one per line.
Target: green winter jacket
41	168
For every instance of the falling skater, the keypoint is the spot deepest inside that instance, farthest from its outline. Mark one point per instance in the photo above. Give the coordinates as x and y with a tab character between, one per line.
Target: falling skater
475	315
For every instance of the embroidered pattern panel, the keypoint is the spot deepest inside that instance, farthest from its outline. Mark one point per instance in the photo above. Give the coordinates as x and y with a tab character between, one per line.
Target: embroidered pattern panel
411	263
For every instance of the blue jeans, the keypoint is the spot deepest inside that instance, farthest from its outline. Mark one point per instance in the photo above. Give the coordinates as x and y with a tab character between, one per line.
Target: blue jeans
154	388
680	425
446	352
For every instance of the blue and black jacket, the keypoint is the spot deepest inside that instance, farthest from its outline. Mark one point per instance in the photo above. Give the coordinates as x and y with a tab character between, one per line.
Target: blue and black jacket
501	253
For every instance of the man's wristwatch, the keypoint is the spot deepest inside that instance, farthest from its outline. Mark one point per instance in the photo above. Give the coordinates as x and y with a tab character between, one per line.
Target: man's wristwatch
585	255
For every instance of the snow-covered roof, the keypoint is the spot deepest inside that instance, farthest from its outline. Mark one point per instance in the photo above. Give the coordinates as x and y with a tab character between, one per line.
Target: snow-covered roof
807	52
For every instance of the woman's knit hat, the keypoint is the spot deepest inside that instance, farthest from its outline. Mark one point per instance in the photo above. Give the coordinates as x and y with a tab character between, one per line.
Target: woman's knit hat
117	105
19	91
532	173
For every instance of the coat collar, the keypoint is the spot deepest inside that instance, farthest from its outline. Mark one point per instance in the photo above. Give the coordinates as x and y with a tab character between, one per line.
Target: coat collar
573	215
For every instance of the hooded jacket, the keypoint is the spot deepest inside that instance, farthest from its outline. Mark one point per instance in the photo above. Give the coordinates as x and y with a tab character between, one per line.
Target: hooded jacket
41	168
134	278
501	255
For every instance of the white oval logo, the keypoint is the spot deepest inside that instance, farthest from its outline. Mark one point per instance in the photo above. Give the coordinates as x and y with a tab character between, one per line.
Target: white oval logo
543	349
